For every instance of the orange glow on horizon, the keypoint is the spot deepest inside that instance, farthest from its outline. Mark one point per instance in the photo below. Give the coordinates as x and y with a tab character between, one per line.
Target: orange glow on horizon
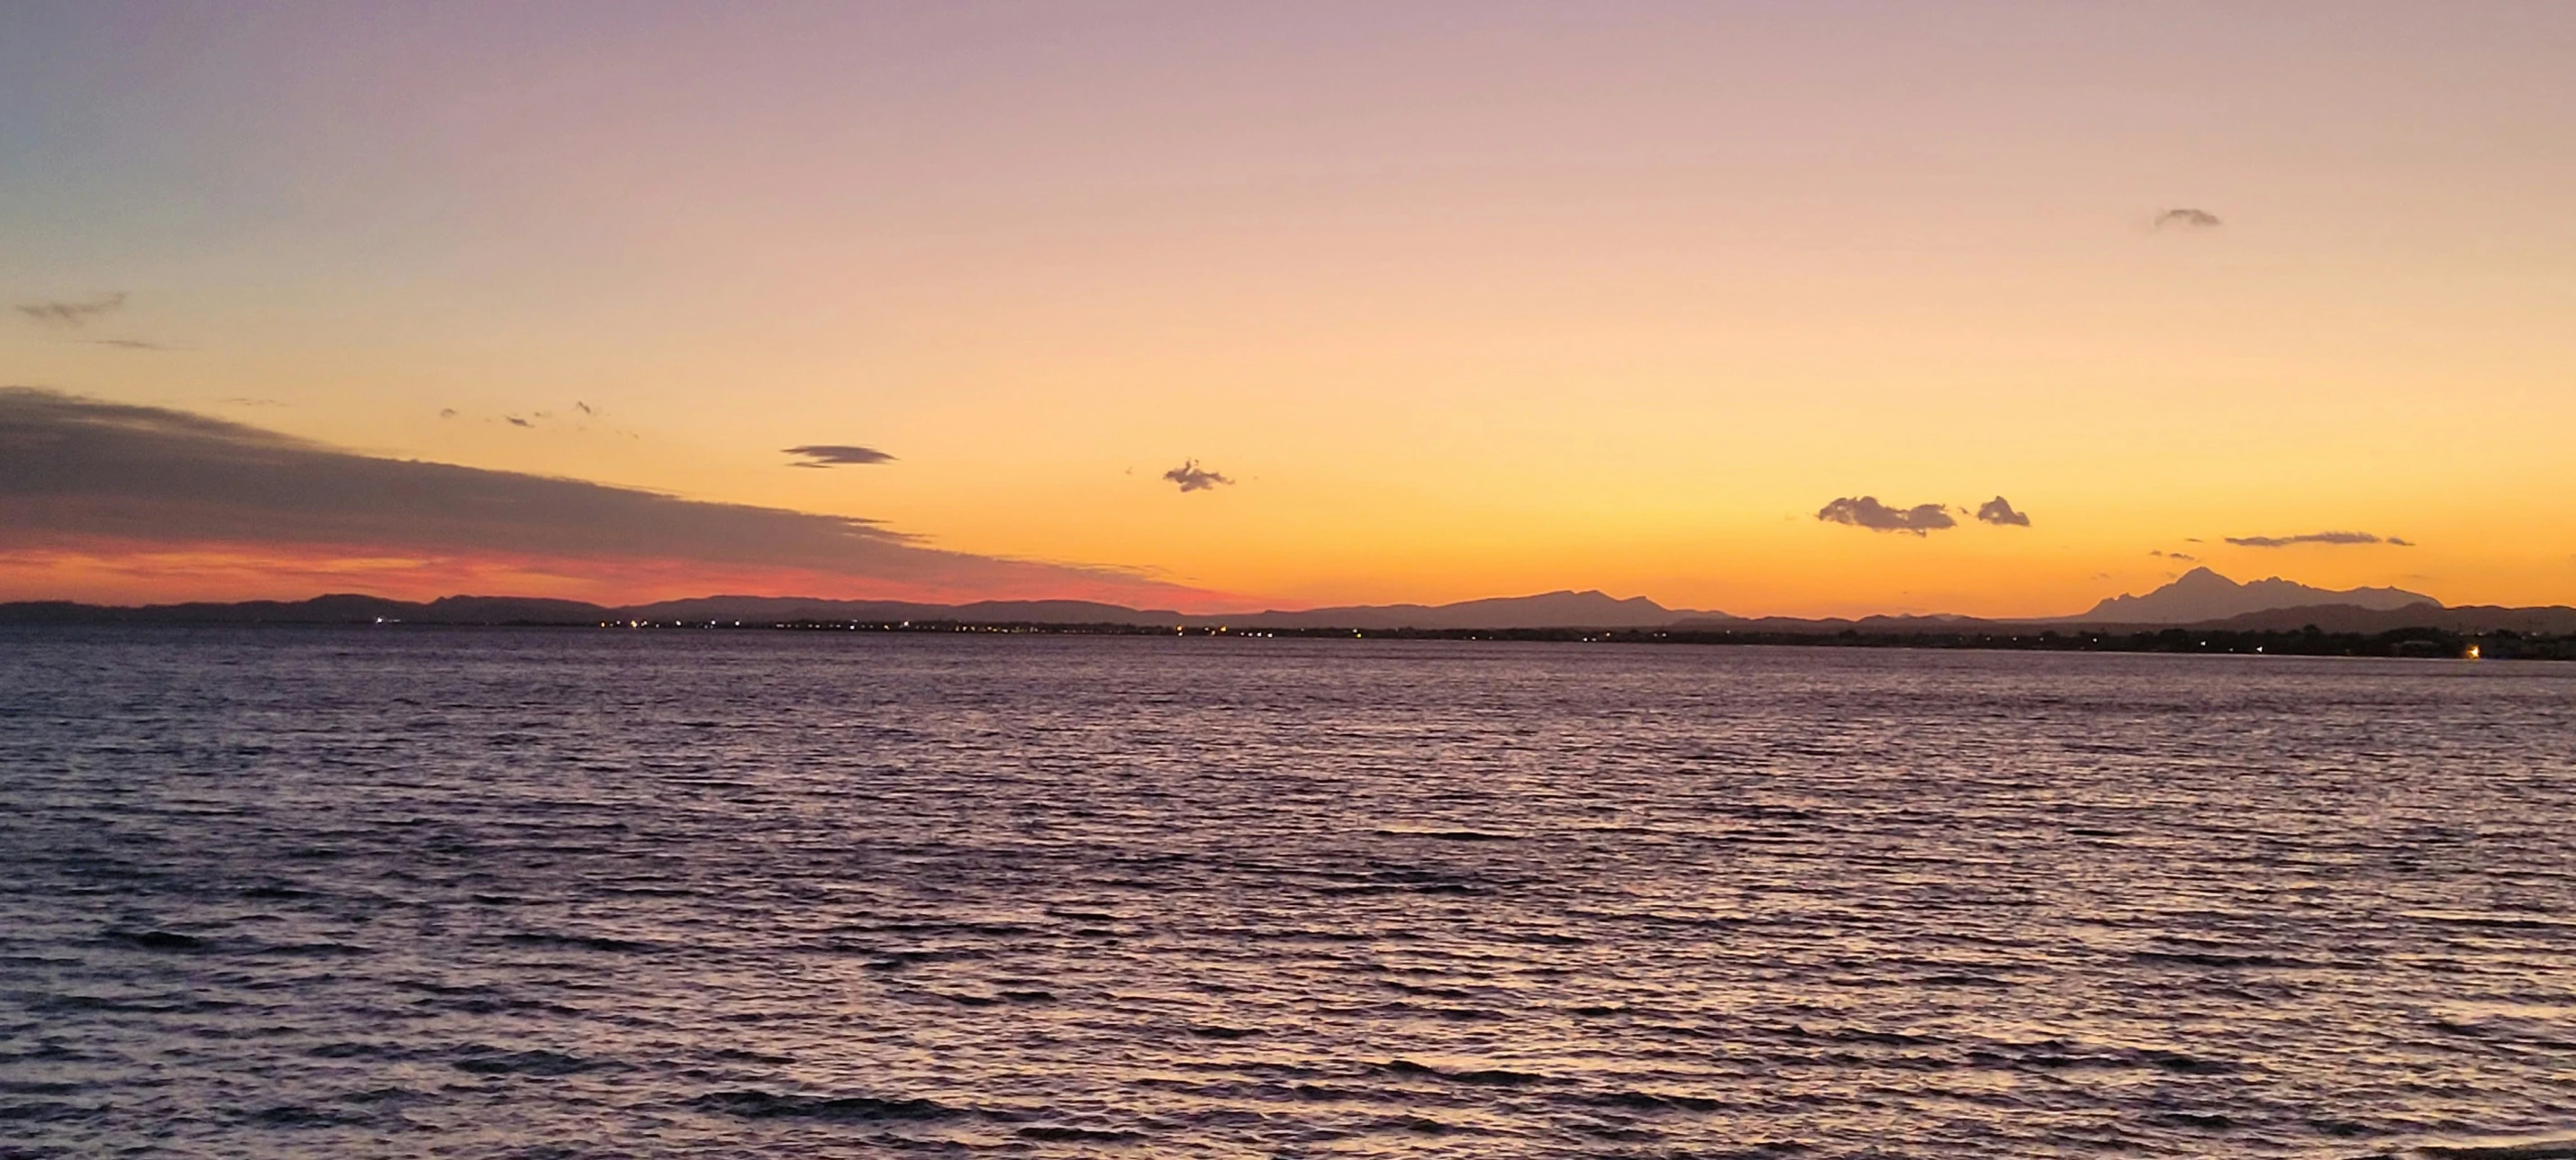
103	571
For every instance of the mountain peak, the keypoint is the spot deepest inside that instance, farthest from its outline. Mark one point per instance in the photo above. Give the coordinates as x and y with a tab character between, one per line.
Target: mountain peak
2202	595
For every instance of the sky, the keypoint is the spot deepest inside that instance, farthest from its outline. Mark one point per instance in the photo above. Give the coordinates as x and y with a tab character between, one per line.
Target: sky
1742	307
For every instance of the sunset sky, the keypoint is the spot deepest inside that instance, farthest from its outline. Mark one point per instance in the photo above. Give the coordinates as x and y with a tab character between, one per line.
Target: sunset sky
1233	305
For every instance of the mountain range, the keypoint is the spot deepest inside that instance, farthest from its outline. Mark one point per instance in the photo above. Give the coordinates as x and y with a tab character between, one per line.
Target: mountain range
1551	610
2202	595
2200	598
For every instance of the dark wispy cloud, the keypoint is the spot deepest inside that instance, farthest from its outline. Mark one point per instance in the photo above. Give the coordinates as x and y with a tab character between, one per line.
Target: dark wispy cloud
2316	538
2186	218
73	313
835	455
132	344
2185	557
2000	512
582	418
1192	477
1866	512
76	467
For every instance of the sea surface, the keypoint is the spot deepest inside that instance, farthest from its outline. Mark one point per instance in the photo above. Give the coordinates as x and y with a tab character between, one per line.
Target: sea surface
301	892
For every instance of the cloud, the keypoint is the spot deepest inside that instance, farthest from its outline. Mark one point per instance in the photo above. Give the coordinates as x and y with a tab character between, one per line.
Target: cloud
2188	219
2000	512
77	469
73	314
1192	477
831	454
2185	557
2315	538
1867	512
130	343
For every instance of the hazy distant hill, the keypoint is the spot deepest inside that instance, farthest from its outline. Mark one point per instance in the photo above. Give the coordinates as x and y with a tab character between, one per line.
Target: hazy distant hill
1588	609
1550	610
775	609
341	608
2203	596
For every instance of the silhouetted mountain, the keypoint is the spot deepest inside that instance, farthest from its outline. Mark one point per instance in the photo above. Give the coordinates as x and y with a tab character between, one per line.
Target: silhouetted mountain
2202	596
1588	609
1551	610
341	608
511	610
778	609
1937	622
2199	599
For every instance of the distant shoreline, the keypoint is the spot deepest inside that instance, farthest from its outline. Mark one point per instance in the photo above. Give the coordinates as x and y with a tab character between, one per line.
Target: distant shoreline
2271	615
2411	642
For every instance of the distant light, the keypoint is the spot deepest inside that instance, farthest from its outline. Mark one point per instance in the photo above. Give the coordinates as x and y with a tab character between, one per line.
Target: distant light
2473	652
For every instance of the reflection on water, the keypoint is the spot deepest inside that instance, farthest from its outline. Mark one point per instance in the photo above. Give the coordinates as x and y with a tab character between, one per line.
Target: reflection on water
482	893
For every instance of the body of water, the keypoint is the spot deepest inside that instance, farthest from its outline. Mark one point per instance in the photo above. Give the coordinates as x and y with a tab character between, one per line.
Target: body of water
498	893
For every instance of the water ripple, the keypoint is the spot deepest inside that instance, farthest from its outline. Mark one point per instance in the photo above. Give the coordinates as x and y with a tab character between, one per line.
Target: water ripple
321	893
